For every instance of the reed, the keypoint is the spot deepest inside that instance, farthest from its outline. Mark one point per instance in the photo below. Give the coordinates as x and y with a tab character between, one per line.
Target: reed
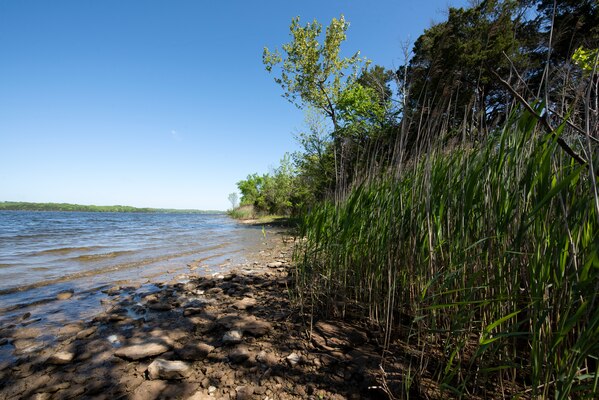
487	252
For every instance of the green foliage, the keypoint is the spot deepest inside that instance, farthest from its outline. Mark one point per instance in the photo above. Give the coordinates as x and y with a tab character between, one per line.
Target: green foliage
270	193
313	72
586	59
490	254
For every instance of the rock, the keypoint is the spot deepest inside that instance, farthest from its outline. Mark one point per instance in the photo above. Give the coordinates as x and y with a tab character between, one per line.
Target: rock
139	351
164	369
56	388
245	303
256	327
41	396
67	294
26	315
195	350
233	337
293	359
113	291
61	358
24	346
192	311
274	264
114	340
160	306
200	395
211	390
86	332
3	341
244	392
267	358
239	354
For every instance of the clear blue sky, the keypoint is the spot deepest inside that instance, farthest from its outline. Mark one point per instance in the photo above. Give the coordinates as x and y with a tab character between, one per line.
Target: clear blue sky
161	103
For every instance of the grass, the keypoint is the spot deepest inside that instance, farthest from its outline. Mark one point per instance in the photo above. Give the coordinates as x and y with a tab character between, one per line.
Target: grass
490	254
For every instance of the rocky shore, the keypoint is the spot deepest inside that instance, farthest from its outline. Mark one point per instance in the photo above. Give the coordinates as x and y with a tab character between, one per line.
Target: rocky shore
235	335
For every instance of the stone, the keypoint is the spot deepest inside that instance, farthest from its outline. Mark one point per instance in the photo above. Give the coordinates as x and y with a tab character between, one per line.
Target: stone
239	354
192	311
245	303
266	358
293	359
86	332
195	350
139	351
61	358
256	327
274	264
67	294
165	369
244	392
200	395
233	337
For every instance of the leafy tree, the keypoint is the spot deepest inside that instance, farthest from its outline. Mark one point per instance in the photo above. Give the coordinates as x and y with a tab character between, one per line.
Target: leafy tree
313	72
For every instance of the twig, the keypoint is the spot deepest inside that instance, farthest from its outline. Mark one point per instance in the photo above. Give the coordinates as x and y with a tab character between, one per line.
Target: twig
542	119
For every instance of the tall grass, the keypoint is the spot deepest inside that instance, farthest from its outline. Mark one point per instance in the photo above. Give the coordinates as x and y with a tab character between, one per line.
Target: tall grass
489	253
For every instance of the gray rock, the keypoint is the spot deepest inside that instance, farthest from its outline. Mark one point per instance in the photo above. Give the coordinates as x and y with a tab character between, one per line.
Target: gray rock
274	264
233	337
139	351
61	358
239	354
267	358
245	303
244	392
293	359
165	369
195	350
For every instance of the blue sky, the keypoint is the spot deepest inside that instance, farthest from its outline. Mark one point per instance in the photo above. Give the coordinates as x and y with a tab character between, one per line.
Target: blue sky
161	103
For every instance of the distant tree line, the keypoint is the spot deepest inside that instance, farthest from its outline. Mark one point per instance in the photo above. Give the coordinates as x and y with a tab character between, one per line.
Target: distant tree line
25	206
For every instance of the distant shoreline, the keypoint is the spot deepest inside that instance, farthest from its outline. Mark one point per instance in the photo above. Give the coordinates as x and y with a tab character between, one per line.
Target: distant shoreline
66	207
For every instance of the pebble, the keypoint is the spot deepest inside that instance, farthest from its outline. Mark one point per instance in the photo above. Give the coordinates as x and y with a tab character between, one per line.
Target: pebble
61	358
65	295
239	354
139	351
233	337
165	369
293	359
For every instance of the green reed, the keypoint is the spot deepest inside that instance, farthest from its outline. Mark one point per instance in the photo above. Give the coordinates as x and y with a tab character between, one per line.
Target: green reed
489	253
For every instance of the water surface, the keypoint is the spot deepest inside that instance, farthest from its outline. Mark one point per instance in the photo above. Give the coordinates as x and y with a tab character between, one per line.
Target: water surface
44	253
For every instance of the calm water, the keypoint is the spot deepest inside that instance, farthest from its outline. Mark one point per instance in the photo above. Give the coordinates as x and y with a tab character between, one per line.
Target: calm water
43	253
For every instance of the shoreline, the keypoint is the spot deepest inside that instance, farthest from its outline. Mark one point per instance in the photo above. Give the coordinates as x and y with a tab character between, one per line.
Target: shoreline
231	335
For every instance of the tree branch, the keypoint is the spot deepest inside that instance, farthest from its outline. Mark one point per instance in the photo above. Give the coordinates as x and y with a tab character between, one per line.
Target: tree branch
543	119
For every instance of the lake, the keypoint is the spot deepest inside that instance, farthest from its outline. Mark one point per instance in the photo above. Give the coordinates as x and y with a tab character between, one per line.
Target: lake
45	253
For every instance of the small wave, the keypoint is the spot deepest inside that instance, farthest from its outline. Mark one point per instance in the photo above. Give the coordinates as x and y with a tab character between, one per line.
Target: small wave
106	269
67	250
100	256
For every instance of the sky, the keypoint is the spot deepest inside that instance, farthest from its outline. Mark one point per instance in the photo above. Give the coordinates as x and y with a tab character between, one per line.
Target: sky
162	104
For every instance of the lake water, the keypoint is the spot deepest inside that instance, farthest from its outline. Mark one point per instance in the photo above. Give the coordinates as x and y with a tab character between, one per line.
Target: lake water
44	253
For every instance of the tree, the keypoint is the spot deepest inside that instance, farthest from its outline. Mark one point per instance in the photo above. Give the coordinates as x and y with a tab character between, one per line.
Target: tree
313	73
233	198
